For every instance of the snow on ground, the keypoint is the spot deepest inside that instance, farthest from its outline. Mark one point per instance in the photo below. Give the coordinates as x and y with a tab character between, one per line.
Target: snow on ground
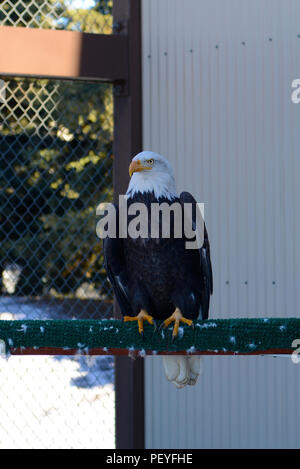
54	402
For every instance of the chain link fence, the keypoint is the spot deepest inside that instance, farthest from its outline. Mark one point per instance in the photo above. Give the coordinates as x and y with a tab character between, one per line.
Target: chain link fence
91	16
56	167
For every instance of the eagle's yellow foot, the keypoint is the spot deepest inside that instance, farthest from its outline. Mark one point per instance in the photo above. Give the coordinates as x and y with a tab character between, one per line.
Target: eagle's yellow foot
140	318
176	317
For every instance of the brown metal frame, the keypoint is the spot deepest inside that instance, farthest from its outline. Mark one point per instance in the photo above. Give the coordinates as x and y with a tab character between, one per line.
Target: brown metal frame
128	142
63	54
112	58
136	353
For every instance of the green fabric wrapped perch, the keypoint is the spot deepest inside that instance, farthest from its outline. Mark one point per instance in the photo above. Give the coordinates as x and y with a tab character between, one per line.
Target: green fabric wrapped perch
228	336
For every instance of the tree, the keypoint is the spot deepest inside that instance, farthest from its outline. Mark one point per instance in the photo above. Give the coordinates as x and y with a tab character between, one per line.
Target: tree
57	14
56	146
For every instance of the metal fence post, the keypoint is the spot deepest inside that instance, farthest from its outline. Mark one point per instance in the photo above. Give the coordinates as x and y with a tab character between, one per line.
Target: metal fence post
127	142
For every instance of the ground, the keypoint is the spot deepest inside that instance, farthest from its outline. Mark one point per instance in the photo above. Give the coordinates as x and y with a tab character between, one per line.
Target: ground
54	402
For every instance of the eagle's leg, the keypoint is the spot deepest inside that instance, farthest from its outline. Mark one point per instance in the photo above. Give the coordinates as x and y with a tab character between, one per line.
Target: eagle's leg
176	317
140	318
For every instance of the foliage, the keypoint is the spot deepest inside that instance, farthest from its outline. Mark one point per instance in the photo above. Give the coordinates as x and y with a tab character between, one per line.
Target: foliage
56	151
58	14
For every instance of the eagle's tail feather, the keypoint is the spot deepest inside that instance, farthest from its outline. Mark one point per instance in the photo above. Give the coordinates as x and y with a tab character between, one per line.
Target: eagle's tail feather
182	370
195	364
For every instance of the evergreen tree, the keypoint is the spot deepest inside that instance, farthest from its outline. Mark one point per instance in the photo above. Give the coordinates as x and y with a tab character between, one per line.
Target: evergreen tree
56	152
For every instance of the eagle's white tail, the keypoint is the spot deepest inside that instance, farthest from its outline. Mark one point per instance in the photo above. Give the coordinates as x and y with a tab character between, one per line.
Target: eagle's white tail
182	369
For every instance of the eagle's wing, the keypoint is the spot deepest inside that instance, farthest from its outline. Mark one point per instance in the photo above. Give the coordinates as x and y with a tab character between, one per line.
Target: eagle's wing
204	258
116	270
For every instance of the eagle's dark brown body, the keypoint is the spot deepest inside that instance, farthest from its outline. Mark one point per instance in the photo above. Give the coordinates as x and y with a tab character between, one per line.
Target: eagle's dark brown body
159	274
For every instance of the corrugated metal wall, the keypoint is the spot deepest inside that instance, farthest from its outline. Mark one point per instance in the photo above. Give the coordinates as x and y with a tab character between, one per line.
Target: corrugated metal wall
217	101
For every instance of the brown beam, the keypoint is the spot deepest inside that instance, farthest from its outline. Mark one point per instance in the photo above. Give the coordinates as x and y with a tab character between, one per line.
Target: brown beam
136	353
129	381
63	54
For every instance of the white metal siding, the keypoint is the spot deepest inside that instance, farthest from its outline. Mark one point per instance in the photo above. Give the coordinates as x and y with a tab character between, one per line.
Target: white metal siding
221	111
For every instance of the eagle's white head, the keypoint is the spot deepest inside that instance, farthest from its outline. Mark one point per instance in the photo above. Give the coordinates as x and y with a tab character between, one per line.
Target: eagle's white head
151	172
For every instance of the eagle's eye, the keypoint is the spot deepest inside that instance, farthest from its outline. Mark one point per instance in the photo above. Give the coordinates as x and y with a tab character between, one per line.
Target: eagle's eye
151	161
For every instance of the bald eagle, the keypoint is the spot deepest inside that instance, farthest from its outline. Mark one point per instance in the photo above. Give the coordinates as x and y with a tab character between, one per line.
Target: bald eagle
158	278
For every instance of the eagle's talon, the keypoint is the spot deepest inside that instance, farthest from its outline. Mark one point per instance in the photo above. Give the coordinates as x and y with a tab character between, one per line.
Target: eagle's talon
155	325
162	326
176	317
140	318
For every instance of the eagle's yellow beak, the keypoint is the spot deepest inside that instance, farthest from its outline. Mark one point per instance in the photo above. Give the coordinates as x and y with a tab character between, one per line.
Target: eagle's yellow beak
136	166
